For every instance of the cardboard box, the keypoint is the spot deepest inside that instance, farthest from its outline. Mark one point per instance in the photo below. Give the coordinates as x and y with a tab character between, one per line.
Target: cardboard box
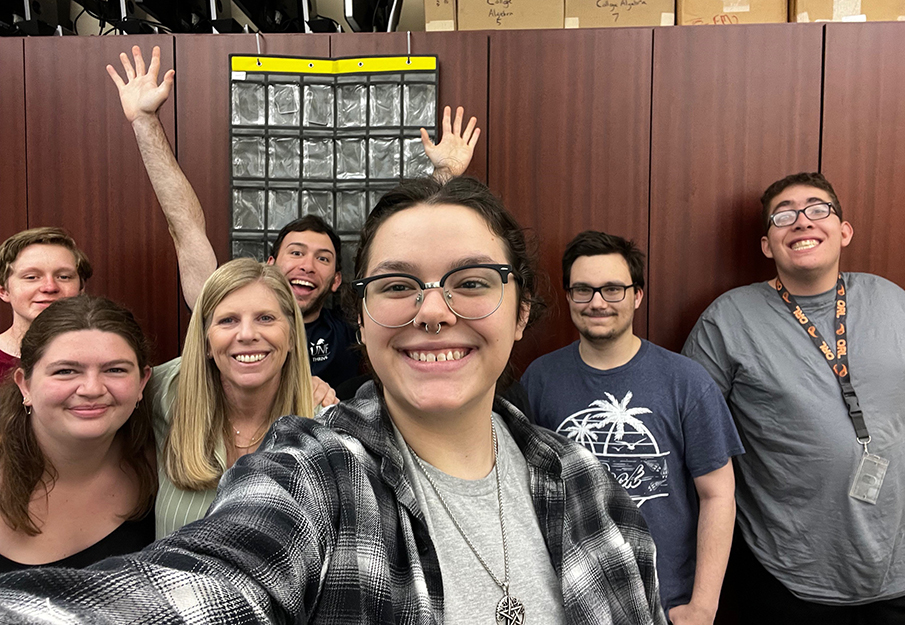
603	13
510	14
731	11
847	11
439	14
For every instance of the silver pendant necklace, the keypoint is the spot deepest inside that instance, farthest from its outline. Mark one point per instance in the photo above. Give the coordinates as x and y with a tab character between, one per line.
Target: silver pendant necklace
509	610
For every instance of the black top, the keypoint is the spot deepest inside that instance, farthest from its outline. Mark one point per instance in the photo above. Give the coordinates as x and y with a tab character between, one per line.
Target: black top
129	537
331	350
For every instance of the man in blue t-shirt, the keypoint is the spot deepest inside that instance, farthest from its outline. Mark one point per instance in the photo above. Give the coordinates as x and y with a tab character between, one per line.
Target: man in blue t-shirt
654	418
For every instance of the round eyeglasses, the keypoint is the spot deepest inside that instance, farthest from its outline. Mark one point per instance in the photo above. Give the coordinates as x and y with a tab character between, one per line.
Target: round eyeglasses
814	212
471	292
612	293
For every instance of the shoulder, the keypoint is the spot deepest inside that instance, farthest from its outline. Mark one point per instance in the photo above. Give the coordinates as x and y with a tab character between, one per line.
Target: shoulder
161	391
680	368
867	283
738	300
551	362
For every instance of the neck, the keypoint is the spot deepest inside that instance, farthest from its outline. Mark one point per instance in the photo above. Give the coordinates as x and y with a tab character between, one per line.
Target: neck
312	316
11	340
79	461
810	284
608	353
458	442
248	409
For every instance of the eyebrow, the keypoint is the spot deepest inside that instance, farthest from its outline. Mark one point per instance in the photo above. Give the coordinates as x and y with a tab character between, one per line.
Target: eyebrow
75	363
401	266
808	202
605	284
322	250
54	270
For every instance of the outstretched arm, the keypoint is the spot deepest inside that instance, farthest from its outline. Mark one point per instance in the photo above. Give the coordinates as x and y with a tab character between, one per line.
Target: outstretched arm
716	520
141	97
452	155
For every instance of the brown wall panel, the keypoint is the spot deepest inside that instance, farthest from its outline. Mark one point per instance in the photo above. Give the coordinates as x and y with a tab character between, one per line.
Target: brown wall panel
85	174
13	208
864	140
462	58
569	136
733	110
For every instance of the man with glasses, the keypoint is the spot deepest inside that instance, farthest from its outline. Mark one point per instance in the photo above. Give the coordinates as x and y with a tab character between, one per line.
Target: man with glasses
812	364
654	418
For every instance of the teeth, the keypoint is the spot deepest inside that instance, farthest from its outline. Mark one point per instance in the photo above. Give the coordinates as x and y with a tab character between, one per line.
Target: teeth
438	357
804	245
302	283
249	357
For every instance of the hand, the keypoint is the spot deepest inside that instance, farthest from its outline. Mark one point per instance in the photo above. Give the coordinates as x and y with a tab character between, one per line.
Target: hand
691	614
452	155
323	393
141	96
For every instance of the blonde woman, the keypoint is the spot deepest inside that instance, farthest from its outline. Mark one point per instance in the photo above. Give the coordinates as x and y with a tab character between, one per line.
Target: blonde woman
244	364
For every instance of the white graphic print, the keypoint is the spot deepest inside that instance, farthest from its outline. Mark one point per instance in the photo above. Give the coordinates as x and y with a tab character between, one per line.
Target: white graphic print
319	351
613	433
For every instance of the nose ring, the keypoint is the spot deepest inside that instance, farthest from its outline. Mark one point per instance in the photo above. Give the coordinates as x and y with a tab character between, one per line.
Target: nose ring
427	327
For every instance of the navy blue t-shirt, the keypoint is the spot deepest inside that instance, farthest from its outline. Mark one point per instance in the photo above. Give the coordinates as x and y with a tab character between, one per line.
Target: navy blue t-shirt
330	348
657	422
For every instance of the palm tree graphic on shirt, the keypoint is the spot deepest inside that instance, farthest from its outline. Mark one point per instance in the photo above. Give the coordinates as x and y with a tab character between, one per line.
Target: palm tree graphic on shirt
615	434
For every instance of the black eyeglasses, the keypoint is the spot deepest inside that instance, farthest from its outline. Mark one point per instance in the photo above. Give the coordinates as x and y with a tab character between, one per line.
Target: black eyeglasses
472	292
814	212
612	293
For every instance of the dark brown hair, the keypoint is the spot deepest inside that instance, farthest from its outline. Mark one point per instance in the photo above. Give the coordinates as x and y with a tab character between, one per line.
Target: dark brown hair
594	243
521	251
23	466
13	246
804	179
311	223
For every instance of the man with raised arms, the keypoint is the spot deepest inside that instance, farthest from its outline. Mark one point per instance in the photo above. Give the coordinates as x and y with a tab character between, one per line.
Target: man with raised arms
306	250
812	364
655	419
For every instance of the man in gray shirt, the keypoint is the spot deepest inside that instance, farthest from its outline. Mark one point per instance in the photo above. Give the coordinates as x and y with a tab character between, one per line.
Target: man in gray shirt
812	365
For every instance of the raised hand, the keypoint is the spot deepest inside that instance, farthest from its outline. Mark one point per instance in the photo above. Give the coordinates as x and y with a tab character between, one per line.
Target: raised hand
140	95
452	155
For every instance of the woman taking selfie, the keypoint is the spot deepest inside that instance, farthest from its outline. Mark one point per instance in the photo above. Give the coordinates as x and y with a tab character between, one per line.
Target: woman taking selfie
426	499
244	364
77	478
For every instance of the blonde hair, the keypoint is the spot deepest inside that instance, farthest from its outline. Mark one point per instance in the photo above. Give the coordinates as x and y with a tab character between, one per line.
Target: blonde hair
199	413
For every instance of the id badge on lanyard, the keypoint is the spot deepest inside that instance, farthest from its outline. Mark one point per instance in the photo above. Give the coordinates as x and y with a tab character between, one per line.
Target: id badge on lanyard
872	468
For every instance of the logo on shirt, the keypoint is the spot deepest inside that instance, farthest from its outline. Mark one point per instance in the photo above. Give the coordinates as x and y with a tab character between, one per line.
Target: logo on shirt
614	433
319	350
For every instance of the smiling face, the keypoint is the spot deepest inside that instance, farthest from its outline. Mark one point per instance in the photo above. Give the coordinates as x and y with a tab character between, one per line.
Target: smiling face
599	320
84	388
308	260
249	338
807	252
455	370
40	275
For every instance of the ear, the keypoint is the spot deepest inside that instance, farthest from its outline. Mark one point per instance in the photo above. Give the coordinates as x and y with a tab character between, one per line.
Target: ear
847	233
765	247
22	383
337	280
524	312
639	295
361	334
4	294
271	260
145	376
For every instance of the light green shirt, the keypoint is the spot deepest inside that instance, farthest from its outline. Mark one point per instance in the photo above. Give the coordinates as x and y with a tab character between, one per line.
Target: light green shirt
175	507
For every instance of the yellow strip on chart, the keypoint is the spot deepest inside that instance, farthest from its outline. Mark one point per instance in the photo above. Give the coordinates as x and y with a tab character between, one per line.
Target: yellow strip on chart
287	65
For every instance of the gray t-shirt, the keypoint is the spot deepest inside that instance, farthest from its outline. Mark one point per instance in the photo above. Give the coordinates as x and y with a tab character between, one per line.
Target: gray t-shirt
469	593
792	484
